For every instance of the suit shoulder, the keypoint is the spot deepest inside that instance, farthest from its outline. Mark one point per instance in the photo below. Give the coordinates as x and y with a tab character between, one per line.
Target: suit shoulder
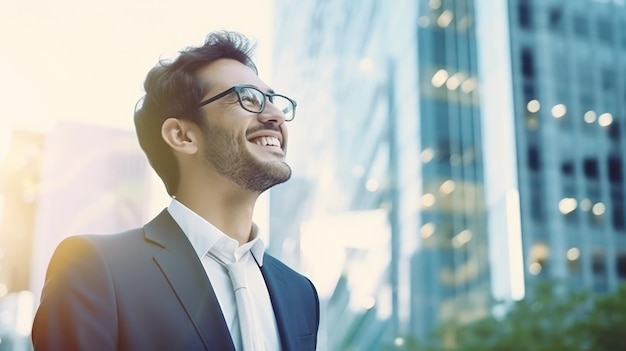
76	244
278	264
281	267
104	239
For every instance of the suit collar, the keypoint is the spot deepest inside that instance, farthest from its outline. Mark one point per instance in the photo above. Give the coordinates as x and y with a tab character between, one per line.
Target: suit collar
183	269
279	295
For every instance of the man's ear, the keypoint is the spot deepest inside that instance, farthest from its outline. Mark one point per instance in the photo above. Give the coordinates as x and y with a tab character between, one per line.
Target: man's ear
182	136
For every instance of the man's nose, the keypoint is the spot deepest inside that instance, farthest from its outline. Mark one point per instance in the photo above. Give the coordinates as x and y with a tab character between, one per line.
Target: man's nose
271	114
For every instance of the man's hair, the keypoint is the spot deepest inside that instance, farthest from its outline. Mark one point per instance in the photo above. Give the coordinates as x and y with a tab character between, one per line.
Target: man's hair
174	90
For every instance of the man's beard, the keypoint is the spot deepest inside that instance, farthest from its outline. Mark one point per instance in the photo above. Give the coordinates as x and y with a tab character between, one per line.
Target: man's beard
235	162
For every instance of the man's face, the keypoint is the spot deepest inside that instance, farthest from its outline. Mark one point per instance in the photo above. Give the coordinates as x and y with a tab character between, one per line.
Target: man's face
247	148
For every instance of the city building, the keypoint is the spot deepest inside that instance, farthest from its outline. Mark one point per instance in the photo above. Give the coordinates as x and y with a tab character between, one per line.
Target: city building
568	72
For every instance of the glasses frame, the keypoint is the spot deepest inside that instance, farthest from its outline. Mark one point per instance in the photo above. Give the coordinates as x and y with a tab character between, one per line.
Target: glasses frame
239	89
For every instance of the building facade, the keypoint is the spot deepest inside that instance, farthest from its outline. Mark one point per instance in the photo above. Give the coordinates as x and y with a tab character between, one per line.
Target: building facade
451	270
568	69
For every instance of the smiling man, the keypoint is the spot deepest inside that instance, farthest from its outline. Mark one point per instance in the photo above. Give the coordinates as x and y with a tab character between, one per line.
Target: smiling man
196	277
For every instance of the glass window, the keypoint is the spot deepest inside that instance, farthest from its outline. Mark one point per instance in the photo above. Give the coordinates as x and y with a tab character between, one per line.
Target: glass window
590	167
614	131
439	47
528	63
617	194
581	25
524	14
534	158
621	265
598	268
597	262
567	168
537	198
605	32
556	20
619	222
615	169
608	79
530	92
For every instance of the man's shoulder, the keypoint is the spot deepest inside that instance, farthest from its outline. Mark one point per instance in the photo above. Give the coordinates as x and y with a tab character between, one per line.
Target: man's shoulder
99	245
127	240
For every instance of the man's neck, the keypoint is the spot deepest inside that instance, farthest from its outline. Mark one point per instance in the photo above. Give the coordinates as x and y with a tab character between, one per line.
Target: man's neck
229	211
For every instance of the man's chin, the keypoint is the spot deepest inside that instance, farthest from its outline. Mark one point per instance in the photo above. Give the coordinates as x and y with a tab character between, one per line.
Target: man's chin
269	176
282	173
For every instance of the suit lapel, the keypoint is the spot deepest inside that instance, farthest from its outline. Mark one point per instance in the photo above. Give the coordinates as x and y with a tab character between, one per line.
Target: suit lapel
279	295
182	268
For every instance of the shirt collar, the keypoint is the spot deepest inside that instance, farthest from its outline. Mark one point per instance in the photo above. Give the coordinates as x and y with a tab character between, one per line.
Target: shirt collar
204	236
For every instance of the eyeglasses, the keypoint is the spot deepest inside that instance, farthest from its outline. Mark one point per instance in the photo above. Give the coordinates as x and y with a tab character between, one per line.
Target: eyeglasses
253	100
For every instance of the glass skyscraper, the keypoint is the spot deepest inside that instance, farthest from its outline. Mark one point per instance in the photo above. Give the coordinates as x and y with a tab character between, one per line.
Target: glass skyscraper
569	83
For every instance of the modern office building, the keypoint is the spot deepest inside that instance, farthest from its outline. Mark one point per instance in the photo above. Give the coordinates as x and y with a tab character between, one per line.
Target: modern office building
568	69
451	269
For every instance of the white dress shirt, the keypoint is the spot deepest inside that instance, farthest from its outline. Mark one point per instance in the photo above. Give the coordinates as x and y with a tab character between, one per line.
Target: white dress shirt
204	237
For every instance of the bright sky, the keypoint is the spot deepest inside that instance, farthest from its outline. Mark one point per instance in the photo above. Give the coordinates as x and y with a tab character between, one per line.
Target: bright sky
86	60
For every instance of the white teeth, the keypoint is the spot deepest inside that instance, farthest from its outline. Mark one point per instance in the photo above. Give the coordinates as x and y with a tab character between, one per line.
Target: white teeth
267	141
271	141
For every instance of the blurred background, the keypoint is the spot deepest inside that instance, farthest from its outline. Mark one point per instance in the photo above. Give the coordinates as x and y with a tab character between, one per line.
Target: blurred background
458	164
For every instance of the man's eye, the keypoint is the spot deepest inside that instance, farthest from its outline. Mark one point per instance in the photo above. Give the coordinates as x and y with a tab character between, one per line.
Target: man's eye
252	99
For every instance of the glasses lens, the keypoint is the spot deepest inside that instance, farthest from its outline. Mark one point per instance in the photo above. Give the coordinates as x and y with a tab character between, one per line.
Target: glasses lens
251	99
285	105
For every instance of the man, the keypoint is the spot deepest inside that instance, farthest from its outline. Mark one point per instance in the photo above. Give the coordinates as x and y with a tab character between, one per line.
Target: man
216	135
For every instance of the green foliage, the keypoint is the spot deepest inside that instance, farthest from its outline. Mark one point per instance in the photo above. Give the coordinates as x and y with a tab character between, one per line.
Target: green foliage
548	320
606	324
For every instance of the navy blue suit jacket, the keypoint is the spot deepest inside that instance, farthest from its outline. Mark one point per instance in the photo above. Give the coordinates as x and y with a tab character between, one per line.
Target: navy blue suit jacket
146	289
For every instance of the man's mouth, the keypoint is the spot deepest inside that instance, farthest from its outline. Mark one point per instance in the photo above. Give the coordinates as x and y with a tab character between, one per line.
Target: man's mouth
266	141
